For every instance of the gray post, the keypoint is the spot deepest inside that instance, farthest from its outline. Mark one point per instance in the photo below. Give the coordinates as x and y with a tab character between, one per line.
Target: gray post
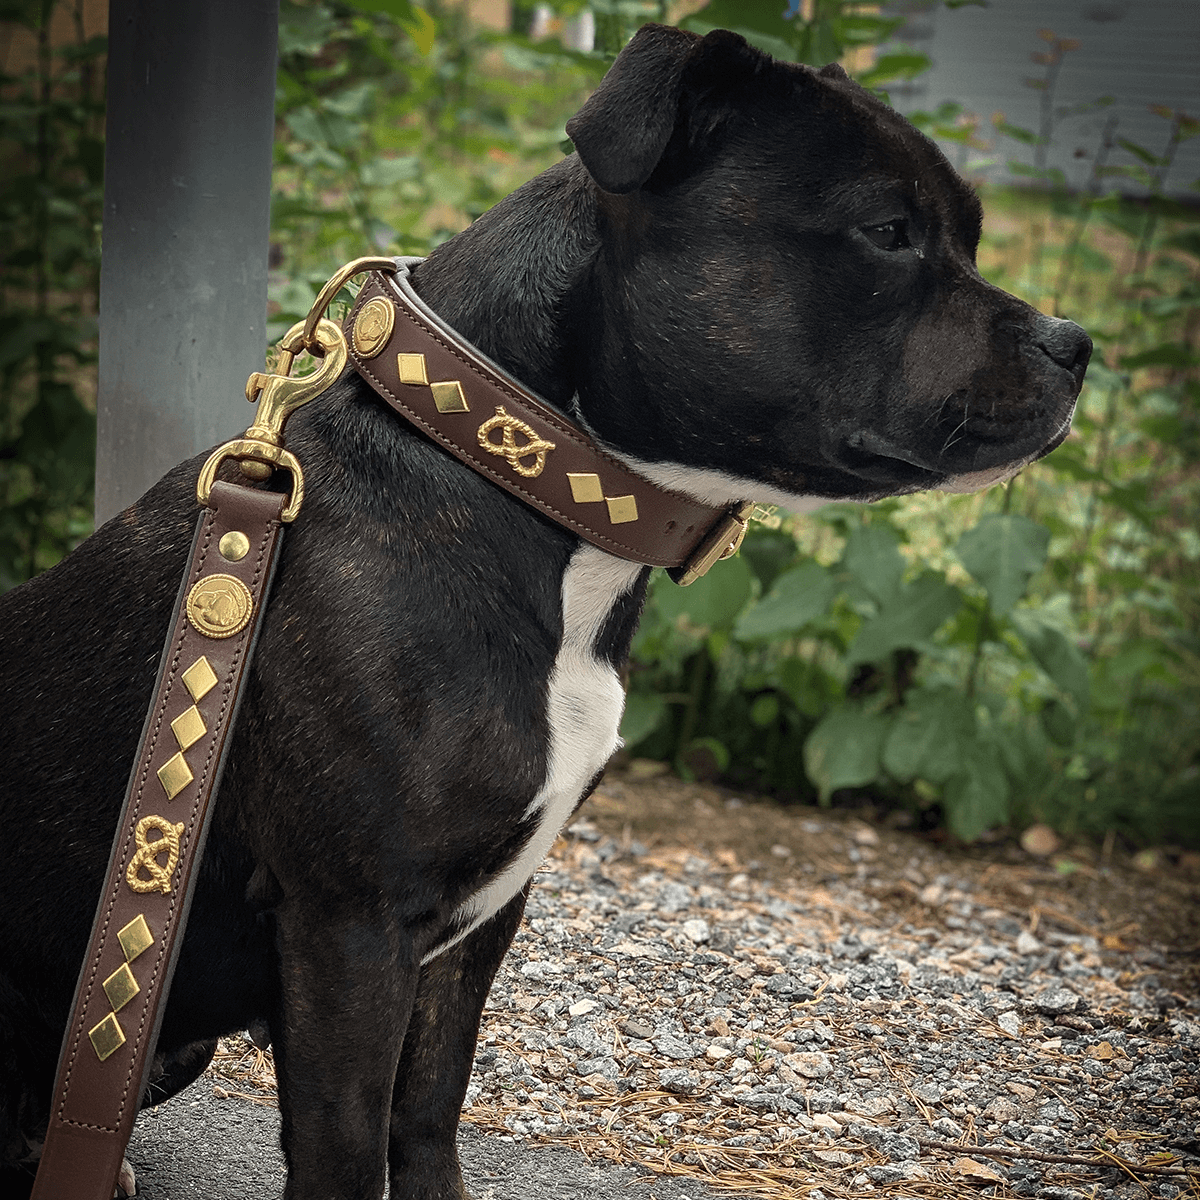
183	277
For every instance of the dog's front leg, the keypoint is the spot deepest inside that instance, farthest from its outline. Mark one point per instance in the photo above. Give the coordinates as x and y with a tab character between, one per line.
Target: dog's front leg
347	982
435	1065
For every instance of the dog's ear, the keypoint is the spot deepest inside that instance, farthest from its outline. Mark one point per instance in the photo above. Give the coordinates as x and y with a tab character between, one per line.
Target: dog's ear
625	126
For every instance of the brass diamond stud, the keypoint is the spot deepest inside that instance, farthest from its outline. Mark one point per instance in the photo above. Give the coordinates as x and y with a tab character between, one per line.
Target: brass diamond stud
412	368
107	1037
188	727
621	509
121	987
174	775
448	397
135	938
585	488
199	678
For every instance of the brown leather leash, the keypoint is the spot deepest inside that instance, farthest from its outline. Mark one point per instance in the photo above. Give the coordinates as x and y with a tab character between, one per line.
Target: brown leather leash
477	412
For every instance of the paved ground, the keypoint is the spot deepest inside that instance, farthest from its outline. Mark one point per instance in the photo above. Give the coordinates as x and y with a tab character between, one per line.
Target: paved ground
196	1147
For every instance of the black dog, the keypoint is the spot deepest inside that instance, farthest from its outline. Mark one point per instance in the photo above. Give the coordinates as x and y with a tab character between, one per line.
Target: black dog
754	280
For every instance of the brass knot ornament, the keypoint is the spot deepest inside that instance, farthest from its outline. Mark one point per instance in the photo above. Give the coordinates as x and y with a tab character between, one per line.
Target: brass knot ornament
533	447
146	858
219	606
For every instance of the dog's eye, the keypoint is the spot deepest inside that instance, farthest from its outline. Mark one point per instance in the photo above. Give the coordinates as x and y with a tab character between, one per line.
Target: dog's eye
892	236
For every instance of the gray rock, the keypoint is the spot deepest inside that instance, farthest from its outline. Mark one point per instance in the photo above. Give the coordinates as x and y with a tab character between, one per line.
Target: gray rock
679	1081
1056	1000
672	1047
603	1065
674	897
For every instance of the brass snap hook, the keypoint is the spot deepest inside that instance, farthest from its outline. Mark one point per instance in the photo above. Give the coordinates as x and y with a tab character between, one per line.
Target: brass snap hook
260	449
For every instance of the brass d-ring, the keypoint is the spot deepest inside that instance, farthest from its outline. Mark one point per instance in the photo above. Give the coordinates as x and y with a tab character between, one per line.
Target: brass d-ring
250	448
326	294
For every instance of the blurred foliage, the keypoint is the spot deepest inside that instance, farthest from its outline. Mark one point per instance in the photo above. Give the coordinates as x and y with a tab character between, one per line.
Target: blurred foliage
1028	653
52	156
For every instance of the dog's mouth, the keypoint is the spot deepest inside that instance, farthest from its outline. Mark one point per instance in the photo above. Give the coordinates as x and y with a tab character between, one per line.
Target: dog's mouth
880	460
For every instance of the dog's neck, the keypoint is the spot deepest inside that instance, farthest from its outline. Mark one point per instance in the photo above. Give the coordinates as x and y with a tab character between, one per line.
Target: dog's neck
544	233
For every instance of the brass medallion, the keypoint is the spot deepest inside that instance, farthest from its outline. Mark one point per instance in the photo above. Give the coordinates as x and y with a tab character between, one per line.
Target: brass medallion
373	327
508	448
219	606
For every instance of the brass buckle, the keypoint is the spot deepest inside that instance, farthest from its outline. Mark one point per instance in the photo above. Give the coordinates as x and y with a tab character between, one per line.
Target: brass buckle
260	449
723	541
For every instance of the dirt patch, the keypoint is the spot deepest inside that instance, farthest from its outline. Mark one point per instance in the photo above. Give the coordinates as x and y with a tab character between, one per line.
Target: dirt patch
1148	902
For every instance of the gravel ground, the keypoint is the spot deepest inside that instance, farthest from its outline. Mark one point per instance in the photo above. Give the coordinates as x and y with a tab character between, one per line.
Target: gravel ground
779	1036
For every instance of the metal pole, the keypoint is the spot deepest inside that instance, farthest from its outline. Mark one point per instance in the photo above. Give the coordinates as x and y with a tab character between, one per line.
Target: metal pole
183	275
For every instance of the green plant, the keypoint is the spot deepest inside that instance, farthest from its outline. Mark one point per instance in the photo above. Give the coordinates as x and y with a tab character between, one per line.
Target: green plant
50	202
398	124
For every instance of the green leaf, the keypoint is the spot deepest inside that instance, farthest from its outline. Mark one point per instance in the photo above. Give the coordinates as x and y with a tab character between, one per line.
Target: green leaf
643	714
1151	160
977	800
893	66
714	600
777	47
1056	654
797	597
387	172
844	750
910	618
872	555
1004	553
422	28
1059	723
808	687
764	712
1169	354
398	10
759	16
930	737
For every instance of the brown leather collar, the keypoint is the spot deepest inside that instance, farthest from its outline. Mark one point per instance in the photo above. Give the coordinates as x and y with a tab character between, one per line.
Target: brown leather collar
478	412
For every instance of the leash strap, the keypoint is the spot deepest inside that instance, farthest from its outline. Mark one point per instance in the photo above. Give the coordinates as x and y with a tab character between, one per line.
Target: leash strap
152	871
474	409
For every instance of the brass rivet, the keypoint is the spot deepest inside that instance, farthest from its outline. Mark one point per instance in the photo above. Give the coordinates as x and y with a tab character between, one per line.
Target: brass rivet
188	727
174	775
234	546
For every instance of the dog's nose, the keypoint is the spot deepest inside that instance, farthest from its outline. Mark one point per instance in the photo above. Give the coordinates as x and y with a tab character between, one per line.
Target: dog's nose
1066	344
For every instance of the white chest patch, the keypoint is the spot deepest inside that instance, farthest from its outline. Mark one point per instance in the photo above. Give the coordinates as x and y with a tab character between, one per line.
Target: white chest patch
584	703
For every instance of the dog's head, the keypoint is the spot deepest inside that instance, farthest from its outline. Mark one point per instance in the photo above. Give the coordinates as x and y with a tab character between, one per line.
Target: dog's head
787	291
